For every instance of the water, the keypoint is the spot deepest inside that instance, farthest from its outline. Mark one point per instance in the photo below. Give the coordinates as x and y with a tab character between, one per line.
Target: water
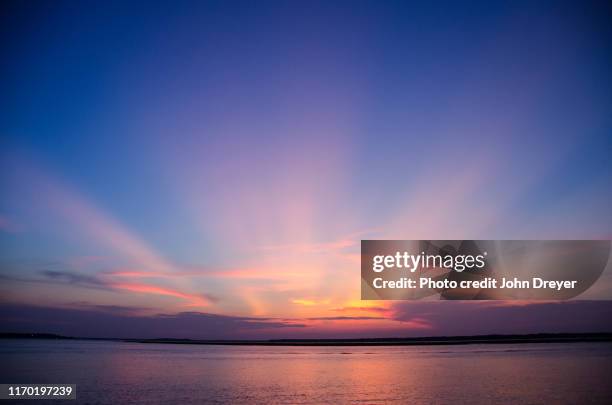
115	373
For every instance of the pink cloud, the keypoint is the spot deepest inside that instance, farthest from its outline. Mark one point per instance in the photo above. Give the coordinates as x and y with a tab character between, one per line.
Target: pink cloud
193	299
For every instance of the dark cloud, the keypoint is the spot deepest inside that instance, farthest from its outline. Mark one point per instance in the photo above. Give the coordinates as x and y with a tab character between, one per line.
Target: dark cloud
443	318
73	278
117	309
88	322
79	280
505	317
59	277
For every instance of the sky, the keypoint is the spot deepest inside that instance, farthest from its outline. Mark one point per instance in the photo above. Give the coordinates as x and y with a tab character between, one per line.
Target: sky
208	169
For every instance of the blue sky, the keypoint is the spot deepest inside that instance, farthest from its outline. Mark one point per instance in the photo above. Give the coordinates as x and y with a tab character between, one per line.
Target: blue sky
262	142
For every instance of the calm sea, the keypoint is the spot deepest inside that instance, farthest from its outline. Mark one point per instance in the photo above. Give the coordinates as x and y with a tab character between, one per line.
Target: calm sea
116	373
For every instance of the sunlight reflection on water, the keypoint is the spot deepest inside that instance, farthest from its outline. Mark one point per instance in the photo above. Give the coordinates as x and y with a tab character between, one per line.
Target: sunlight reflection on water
114	372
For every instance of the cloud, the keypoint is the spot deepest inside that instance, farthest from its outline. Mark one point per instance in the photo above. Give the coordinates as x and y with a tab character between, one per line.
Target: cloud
59	277
446	318
251	273
193	299
491	317
116	309
74	278
83	321
98	282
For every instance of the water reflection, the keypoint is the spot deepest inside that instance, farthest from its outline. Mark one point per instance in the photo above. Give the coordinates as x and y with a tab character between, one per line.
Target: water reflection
110	373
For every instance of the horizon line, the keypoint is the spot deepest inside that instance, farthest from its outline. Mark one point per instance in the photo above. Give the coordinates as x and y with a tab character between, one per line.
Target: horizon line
544	337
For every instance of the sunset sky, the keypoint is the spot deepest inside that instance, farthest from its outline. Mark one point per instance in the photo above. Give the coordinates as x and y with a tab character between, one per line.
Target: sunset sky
208	169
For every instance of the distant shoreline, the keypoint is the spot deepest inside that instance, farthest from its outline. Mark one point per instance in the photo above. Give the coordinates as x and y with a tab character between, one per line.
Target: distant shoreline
420	341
